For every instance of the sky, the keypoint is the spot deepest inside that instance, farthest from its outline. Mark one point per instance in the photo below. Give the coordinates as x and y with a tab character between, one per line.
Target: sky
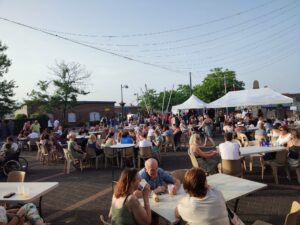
155	42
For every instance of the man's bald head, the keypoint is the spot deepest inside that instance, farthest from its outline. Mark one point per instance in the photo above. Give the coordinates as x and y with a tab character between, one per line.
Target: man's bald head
151	167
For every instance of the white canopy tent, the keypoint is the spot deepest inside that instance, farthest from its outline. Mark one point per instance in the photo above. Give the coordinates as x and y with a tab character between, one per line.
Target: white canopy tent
251	97
192	103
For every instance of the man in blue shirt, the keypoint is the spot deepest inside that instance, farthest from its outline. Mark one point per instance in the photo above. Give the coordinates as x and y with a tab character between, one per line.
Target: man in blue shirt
156	177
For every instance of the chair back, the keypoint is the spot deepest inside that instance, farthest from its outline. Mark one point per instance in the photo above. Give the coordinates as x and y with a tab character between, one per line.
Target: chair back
90	153
260	137
243	138
281	157
232	167
16	176
32	141
193	159
108	152
291	218
44	149
127	152
179	174
169	139
145	152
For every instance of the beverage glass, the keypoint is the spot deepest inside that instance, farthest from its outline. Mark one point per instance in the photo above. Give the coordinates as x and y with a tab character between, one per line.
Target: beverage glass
170	189
142	184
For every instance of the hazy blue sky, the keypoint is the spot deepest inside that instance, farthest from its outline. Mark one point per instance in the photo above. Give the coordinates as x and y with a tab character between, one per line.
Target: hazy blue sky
259	39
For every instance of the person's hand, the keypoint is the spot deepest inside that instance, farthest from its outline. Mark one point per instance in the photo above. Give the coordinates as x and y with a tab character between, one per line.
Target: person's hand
21	212
160	189
146	191
174	190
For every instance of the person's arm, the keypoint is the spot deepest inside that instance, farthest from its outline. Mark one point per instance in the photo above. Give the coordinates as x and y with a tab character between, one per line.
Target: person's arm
177	185
141	214
177	215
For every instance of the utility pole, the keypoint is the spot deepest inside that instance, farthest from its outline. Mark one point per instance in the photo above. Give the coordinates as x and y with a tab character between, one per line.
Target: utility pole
191	92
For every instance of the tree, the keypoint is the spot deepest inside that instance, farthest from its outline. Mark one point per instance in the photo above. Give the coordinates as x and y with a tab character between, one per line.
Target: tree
7	103
69	82
213	86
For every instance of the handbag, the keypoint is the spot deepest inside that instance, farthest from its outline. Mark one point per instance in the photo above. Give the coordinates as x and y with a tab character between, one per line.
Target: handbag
233	217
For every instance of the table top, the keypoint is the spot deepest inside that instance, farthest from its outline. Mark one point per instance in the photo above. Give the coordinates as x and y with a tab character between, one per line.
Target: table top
36	190
250	150
231	188
122	145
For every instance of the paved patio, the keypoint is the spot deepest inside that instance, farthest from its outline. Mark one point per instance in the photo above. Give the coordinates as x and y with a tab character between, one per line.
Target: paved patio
82	197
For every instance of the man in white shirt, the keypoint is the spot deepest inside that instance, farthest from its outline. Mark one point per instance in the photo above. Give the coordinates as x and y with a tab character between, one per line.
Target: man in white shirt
229	150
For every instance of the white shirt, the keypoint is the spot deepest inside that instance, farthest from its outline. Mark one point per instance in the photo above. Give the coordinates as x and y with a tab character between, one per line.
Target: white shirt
150	132
50	123
33	135
145	143
56	123
14	147
283	140
210	210
229	150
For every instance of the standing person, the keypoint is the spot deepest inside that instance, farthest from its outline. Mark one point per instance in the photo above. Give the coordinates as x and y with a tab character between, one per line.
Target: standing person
50	124
207	126
125	207
10	128
36	127
55	124
204	205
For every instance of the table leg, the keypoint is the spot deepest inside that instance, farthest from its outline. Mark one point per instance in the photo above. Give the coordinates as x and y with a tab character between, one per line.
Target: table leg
236	204
40	206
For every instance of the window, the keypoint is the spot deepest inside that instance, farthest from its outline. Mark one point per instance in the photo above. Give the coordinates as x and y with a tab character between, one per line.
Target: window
71	117
94	116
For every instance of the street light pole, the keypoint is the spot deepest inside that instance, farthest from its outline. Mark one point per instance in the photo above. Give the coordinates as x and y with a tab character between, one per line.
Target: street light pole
122	104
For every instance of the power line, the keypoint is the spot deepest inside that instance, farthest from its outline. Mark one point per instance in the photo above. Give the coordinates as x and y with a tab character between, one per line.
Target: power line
90	46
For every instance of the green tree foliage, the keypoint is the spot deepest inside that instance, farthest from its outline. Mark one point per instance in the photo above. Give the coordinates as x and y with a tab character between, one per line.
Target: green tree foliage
7	103
69	82
213	87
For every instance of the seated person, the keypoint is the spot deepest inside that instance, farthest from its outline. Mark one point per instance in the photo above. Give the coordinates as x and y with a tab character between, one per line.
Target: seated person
228	128
167	131
28	214
110	139
294	149
203	205
8	149
261	131
83	130
33	135
284	136
157	142
205	159
125	208
156	177
229	150
93	144
73	148
126	139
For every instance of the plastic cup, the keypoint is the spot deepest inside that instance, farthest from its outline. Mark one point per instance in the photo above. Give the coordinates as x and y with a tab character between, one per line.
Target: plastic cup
170	189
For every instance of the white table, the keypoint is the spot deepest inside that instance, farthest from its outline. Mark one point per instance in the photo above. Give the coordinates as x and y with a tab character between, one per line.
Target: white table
250	150
231	188
36	190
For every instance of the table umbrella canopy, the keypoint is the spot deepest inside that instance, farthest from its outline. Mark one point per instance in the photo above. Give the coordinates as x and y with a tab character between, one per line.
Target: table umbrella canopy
251	97
192	103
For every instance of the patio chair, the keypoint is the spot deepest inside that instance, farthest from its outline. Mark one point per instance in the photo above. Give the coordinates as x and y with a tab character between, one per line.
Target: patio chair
144	154
39	151
16	176
253	156
290	219
233	167
91	157
32	144
127	153
243	139
68	160
169	141
193	159
108	155
279	161
103	220
183	140
179	174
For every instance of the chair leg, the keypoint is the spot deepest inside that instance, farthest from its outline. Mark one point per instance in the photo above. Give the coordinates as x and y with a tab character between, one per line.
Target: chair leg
251	164
298	174
81	166
275	173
